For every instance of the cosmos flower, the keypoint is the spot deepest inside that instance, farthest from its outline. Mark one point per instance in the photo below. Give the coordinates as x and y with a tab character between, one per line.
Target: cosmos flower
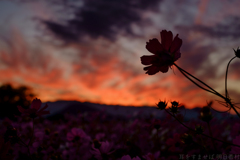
174	143
77	135
34	110
165	53
102	150
237	52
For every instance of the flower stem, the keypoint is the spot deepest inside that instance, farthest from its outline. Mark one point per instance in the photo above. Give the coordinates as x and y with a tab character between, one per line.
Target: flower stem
227	100
226	91
186	74
201	133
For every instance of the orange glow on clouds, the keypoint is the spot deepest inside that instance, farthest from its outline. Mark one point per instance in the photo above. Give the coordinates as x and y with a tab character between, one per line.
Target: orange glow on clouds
106	83
98	75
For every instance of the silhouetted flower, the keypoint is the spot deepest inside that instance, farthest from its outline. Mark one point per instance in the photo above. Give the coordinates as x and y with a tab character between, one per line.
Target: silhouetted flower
237	52
174	103
34	110
174	109
165	53
162	105
206	114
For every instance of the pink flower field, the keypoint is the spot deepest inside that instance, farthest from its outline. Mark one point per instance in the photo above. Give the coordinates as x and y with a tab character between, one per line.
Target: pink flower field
94	136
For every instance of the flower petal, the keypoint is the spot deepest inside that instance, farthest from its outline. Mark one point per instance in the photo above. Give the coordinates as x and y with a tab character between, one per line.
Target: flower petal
151	70
70	136
22	110
36	104
154	46
164	69
166	38
177	55
43	109
74	131
147	60
176	44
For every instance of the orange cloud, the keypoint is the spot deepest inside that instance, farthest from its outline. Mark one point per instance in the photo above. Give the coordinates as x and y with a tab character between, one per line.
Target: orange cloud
106	79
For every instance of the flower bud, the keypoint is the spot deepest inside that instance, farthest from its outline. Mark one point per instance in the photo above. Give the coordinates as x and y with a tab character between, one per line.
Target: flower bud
175	104
206	114
162	105
237	52
174	108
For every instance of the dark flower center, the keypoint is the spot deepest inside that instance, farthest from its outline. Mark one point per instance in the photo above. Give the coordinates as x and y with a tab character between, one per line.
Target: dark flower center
76	138
163	59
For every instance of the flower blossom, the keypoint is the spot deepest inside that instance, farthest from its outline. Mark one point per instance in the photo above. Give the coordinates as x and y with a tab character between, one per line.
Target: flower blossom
165	53
102	150
174	143
34	110
77	135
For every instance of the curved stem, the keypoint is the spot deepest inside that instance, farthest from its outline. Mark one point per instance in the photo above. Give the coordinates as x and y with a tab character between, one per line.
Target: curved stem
211	89
226	92
227	100
234	109
201	133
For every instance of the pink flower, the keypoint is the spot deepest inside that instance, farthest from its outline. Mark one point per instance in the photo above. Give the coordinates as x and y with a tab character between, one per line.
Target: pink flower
151	156
77	135
103	151
127	157
174	142
34	110
165	53
236	150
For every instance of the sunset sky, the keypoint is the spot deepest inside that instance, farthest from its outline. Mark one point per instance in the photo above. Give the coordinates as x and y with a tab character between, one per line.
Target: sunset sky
90	50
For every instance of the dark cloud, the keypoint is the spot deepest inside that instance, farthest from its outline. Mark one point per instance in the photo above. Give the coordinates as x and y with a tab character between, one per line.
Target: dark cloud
102	18
228	28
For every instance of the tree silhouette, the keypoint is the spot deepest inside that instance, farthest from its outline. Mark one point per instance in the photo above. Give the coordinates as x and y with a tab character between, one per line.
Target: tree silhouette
11	97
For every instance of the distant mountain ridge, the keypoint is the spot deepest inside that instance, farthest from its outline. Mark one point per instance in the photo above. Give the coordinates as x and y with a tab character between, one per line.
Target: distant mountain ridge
74	107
